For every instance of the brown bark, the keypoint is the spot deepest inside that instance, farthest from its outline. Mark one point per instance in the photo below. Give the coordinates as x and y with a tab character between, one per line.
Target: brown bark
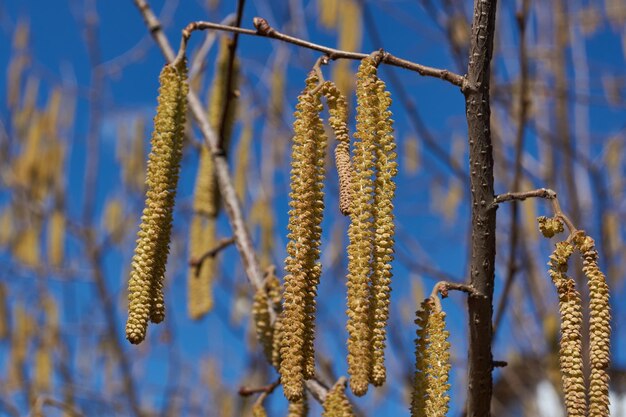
480	304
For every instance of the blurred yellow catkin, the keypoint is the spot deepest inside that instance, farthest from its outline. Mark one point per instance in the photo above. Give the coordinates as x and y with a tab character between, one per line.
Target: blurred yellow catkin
56	238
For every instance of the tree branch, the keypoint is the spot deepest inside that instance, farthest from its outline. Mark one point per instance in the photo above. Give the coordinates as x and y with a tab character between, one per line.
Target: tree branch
263	29
211	253
483	250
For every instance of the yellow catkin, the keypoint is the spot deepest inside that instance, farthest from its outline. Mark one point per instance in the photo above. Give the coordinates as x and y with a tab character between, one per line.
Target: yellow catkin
360	231
219	92
113	219
432	363
258	411
350	29
338	109
301	265
56	238
26	248
327	12
599	327
266	299
411	153
145	287
42	379
570	352
206	201
550	226
200	278
243	161
384	229
336	403
299	407
7	225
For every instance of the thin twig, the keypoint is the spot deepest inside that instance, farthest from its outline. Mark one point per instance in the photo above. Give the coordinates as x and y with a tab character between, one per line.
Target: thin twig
263	29
442	287
267	389
211	253
546	193
44	400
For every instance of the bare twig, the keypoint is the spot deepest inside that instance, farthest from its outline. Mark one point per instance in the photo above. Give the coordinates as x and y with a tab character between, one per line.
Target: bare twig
44	400
442	287
211	253
263	29
546	193
267	389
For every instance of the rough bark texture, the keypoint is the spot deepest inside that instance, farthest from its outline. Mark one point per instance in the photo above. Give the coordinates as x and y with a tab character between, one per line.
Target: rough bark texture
483	253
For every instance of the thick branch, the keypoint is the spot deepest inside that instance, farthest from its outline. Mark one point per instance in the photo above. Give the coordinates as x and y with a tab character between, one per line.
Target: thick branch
483	251
263	29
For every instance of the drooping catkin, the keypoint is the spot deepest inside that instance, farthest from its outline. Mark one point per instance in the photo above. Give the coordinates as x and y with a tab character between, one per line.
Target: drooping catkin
266	298
338	109
243	161
371	231
570	352
145	287
299	407
4	313
258	411
432	363
360	231
301	265
384	229
56	238
336	403
200	277
599	327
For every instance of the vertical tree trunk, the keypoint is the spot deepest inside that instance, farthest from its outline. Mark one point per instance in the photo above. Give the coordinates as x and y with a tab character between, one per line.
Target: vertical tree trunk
480	305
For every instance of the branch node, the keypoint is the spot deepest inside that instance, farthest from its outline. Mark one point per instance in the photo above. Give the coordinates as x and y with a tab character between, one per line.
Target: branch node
262	27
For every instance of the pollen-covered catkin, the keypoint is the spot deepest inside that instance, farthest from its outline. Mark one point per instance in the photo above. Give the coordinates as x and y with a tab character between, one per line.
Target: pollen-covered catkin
301	265
599	327
299	407
384	229
266	298
550	226
338	109
360	231
199	278
145	287
336	403
570	355
432	363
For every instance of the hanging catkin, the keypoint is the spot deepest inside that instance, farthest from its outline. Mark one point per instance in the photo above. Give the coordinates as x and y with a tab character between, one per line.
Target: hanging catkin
301	266
266	299
200	277
384	191
299	407
338	109
360	231
599	327
432	363
570	308
371	230
145	287
336	403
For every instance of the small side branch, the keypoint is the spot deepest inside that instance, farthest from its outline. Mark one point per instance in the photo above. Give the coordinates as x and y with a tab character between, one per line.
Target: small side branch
263	29
267	389
442	287
221	245
545	193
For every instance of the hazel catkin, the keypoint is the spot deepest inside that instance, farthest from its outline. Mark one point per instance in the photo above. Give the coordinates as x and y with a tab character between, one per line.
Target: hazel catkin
570	351
599	327
432	363
301	265
336	403
145	286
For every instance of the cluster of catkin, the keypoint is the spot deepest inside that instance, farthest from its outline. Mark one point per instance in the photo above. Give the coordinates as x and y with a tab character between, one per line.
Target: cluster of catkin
578	401
371	230
432	362
145	286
